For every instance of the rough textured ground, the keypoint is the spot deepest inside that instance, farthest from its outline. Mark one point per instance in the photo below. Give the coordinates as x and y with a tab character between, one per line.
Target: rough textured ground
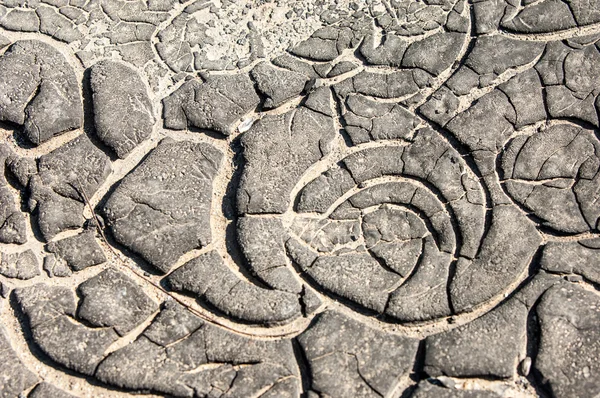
279	198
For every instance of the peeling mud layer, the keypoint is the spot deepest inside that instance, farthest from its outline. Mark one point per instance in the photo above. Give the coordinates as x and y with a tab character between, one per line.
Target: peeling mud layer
280	198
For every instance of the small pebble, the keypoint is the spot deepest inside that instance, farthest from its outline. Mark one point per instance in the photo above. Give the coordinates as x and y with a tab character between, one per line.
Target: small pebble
246	125
446	381
525	366
586	372
574	278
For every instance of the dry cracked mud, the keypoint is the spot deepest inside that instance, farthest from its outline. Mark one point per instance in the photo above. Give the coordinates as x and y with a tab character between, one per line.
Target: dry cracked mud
285	198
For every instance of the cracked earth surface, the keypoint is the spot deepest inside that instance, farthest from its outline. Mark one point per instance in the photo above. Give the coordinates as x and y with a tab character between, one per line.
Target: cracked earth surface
271	198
